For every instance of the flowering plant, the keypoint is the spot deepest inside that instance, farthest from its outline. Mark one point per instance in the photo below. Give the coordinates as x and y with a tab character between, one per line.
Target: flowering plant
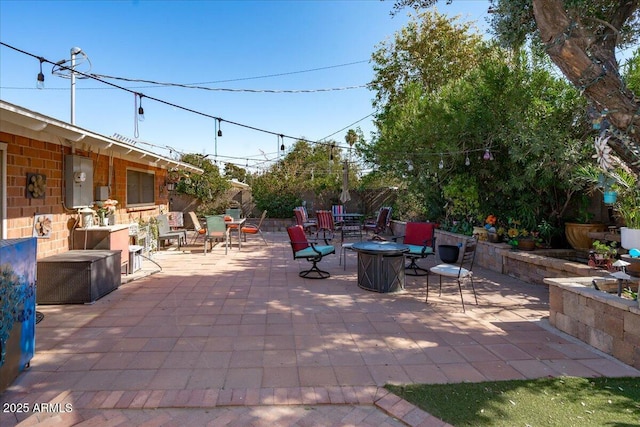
490	223
106	207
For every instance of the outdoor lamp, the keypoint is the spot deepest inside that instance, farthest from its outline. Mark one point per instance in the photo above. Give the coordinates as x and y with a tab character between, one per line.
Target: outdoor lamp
40	81
140	110
219	130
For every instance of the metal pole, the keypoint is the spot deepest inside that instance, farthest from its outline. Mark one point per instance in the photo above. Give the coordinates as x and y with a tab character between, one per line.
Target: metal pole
74	52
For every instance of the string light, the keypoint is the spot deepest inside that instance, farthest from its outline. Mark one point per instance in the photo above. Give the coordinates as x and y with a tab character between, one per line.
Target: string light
40	79
441	163
467	162
140	109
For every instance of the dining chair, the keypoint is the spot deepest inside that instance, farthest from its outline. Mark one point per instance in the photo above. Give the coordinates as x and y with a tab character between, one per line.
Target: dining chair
325	227
200	231
338	211
216	230
381	224
165	232
300	216
303	249
234	213
254	229
461	269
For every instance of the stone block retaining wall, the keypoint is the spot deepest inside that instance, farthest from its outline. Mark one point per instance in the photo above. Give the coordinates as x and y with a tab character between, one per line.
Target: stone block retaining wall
605	321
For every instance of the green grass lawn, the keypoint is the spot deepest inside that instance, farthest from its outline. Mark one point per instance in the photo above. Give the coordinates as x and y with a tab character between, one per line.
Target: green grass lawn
564	401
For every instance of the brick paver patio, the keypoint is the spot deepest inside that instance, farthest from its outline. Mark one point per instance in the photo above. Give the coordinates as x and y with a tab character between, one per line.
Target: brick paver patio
242	340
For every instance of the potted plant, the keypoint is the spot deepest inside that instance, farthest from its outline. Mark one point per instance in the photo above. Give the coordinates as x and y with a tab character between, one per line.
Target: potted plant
577	231
521	238
611	174
603	250
627	206
492	231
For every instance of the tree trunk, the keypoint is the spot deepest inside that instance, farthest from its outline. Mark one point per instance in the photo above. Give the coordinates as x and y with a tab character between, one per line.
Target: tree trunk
589	63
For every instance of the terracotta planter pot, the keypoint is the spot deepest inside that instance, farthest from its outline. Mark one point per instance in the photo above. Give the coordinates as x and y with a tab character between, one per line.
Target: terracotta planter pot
526	244
493	238
578	234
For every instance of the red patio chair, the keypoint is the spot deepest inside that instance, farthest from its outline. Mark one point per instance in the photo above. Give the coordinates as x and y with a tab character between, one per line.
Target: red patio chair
302	248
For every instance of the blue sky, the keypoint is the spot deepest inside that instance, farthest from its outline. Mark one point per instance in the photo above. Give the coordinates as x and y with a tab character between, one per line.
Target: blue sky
218	44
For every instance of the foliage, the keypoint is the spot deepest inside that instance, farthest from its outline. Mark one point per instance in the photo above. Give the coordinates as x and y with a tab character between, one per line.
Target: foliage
563	401
207	187
232	171
619	179
316	168
608	249
548	232
596	29
461	196
532	123
414	57
462	226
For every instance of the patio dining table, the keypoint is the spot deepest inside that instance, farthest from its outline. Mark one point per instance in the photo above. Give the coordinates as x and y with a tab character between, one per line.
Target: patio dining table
236	224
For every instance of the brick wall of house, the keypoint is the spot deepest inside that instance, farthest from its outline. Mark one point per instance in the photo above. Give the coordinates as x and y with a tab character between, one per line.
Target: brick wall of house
25	155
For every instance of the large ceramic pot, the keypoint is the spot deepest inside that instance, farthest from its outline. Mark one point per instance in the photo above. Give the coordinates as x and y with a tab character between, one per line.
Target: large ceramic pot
630	238
578	234
448	253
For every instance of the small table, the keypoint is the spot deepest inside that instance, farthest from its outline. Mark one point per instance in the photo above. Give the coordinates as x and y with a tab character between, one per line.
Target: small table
380	265
237	224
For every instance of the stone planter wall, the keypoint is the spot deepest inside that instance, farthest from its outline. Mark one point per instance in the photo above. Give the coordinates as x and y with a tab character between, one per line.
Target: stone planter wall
607	322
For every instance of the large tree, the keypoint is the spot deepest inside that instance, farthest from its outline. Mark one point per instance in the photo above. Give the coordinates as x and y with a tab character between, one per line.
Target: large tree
580	37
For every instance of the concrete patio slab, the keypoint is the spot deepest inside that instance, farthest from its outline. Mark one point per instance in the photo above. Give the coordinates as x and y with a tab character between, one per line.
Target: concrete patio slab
241	339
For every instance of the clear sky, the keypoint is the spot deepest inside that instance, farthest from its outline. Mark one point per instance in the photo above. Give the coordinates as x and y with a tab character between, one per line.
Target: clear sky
240	45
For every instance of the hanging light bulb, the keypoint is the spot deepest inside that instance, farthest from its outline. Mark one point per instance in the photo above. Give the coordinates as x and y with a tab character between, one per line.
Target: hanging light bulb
441	164
487	154
140	109
467	162
219	129
282	144
40	81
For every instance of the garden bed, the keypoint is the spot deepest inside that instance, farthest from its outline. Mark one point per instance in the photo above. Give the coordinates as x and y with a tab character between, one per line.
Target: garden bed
605	321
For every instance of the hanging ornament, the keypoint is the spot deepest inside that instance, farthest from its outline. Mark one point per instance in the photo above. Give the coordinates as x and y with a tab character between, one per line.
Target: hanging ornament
603	152
467	162
487	155
441	164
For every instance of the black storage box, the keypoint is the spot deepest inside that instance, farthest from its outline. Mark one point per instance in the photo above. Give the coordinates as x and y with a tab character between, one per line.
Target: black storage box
77	277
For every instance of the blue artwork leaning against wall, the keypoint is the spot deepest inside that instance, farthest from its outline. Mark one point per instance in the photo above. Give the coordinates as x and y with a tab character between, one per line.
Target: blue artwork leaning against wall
17	307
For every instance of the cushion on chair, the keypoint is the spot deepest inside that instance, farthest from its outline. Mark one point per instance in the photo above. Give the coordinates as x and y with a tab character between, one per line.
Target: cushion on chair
417	250
250	229
417	233
450	270
309	252
298	238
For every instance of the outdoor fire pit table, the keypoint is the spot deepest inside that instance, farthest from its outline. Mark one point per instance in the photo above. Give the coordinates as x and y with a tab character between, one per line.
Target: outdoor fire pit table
380	265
